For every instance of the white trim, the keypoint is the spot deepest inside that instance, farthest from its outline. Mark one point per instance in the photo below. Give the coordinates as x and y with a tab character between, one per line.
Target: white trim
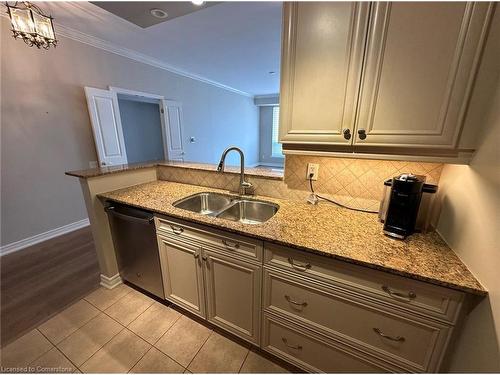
110	282
119	90
21	244
93	41
460	158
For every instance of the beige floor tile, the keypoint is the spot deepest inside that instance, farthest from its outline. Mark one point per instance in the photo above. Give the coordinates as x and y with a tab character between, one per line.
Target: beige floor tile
154	322
65	323
219	355
24	350
155	362
53	362
118	355
80	345
102	298
129	307
255	363
183	340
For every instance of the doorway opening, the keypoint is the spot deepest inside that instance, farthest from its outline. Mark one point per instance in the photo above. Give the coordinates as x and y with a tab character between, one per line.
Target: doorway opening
133	127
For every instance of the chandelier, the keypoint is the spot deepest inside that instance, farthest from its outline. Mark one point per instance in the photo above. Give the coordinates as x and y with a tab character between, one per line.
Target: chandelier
31	25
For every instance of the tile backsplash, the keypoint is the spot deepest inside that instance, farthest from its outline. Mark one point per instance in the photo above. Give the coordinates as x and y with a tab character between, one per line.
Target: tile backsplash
357	183
354	182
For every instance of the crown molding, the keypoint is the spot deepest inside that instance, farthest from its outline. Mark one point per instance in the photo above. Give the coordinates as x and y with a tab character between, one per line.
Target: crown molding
105	45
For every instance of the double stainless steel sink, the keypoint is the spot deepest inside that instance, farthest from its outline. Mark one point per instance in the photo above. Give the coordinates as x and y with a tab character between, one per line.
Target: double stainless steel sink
239	209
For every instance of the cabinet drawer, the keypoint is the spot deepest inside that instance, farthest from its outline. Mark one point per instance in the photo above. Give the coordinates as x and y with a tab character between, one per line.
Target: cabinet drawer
407	294
215	239
309	352
414	343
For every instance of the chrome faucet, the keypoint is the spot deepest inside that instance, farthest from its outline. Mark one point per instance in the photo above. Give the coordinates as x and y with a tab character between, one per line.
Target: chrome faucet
220	168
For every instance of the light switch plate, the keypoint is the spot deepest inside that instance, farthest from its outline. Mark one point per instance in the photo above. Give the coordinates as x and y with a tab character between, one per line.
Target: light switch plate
312	169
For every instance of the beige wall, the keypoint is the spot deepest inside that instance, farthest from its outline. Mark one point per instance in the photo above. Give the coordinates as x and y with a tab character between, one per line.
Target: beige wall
46	131
470	216
470	223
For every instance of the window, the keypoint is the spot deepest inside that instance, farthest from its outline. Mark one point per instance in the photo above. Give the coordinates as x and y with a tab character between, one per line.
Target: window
276	147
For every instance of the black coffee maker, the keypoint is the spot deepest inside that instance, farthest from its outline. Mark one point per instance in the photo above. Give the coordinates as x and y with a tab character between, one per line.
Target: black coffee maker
404	203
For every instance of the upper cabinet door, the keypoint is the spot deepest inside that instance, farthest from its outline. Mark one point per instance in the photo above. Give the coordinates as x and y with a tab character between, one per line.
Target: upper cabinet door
106	126
321	67
420	63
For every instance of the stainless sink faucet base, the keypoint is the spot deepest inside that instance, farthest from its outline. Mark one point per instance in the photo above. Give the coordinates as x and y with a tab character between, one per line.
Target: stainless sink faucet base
244	185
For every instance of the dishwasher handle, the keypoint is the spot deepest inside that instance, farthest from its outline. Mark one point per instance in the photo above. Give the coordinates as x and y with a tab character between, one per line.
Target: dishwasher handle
146	221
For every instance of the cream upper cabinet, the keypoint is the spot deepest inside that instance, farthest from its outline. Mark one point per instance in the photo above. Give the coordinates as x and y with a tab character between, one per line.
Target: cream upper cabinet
321	66
421	59
394	75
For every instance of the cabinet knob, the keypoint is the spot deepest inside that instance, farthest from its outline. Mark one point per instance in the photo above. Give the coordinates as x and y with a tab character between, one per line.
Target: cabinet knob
347	133
362	134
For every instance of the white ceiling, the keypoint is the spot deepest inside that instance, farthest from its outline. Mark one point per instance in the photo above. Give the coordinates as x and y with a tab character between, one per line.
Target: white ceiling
235	44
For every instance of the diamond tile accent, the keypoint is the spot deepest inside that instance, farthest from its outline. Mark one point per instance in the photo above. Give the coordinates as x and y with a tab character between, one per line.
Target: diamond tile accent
358	183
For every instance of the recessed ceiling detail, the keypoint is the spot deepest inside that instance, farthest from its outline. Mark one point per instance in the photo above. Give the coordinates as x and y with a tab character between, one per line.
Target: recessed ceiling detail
141	14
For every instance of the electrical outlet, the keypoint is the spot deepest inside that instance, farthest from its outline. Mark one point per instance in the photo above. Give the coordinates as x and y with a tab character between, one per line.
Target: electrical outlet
93	164
312	169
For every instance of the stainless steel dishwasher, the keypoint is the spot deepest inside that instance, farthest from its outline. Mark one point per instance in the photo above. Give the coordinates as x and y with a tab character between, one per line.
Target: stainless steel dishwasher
134	237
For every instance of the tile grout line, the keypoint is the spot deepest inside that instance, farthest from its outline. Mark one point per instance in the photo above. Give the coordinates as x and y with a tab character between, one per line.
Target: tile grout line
45	352
97	307
244	360
147	351
88	359
70	361
161	351
102	346
202	345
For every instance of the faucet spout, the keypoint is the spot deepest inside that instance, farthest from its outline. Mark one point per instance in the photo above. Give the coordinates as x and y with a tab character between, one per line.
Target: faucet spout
220	168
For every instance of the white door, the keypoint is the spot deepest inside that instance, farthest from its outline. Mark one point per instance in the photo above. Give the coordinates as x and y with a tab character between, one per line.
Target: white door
107	126
172	125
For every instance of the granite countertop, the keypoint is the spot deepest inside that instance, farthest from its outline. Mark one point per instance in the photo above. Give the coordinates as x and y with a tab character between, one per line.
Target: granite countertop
325	229
264	172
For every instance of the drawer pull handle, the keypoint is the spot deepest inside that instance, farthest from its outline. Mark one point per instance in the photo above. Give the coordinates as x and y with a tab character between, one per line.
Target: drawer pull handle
382	334
299	267
400	296
229	244
177	230
296	347
302	304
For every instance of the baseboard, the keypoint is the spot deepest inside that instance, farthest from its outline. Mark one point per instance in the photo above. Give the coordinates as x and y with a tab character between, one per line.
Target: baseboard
110	282
26	242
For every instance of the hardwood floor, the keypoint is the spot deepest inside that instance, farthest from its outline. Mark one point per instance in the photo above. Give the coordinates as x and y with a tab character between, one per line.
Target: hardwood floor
40	281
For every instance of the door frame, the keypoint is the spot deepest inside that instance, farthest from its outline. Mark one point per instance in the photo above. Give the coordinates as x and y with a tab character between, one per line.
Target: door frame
150	98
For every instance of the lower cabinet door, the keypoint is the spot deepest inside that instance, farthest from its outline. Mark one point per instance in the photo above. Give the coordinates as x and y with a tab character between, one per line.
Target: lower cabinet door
311	353
233	290
182	274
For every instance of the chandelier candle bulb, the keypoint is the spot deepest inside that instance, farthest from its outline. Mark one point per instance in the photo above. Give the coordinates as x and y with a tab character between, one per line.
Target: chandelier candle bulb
31	25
